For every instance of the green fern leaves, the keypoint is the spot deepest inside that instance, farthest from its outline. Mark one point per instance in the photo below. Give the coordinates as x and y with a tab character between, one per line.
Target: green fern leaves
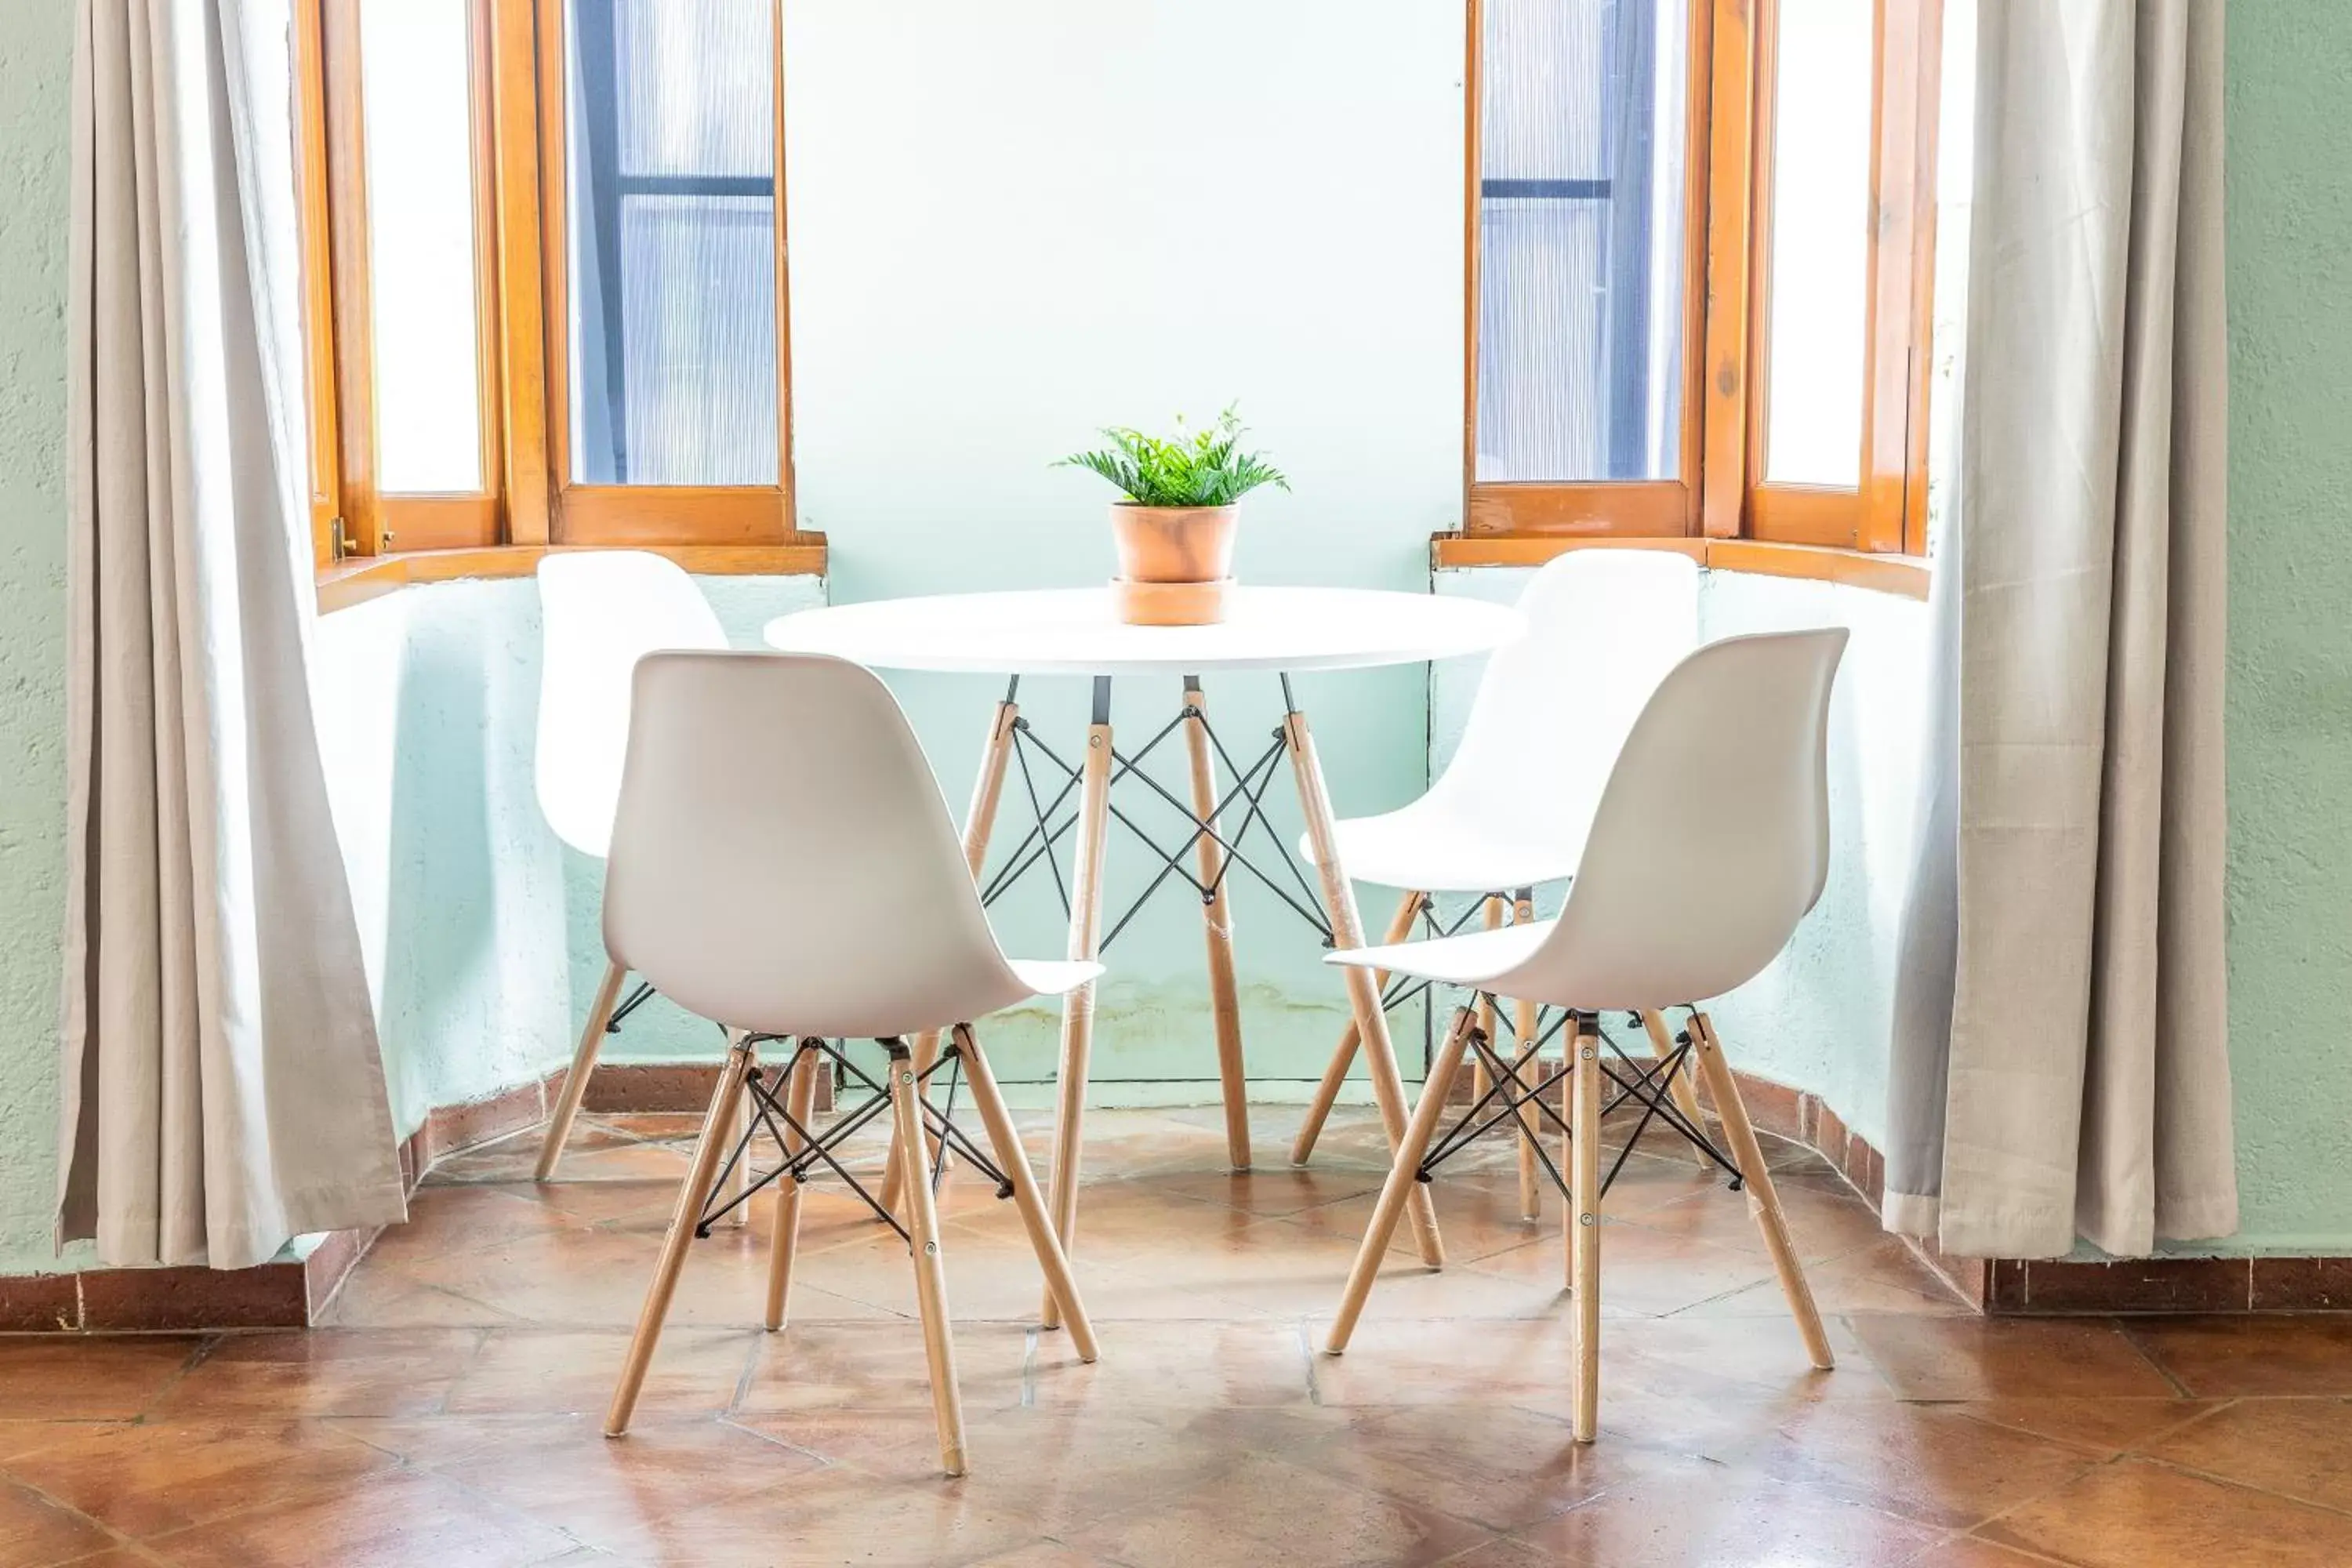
1205	468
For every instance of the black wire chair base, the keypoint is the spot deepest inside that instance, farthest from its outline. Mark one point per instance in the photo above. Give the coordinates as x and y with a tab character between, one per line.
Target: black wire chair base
769	1114
642	993
1510	1098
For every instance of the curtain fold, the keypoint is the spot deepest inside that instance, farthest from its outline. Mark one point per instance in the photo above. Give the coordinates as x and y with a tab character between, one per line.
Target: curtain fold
221	1087
2059	1061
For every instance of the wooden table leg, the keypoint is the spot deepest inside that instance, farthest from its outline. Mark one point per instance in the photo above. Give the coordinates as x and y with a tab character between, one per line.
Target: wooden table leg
979	826
1327	1093
1217	923
1078	1006
583	1064
1347	932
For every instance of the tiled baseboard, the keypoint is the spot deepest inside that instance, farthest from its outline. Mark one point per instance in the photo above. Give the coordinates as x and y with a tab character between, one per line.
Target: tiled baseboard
290	1295
2005	1287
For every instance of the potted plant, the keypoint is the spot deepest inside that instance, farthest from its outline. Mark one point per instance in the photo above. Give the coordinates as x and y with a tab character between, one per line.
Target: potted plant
1174	532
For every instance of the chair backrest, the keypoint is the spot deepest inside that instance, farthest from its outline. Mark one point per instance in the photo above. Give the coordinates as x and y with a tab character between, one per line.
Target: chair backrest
782	860
600	612
1603	629
1713	836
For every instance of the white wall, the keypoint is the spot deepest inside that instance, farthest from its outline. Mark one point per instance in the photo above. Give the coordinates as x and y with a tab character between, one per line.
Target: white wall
1013	223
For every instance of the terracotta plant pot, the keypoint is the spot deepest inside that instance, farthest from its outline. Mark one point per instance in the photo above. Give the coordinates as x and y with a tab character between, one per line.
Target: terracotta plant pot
1175	563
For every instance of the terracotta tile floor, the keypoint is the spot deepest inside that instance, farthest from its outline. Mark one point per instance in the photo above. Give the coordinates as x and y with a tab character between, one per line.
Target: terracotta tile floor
448	1416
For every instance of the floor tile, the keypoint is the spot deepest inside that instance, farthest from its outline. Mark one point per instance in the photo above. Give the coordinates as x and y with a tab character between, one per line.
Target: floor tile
2302	1448
1725	1516
1929	1464
610	1493
1987	1358
325	1371
88	1378
2281	1353
36	1529
1269	1512
2135	1512
152	1477
388	1521
695	1373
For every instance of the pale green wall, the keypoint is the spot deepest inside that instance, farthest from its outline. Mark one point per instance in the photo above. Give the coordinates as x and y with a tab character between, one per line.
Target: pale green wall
35	62
2290	712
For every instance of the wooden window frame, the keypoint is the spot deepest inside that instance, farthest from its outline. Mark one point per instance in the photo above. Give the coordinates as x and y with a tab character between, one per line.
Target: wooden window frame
528	504
1720	494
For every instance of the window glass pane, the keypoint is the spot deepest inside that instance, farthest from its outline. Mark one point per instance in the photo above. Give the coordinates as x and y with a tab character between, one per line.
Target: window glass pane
671	188
1580	233
1820	243
418	124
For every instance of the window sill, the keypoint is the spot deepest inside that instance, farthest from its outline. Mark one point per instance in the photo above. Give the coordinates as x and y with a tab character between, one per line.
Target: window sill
1906	575
357	581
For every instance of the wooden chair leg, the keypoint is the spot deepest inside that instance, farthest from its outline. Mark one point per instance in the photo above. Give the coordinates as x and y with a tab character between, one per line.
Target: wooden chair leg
1523	1035
1584	1230
1078	1006
800	1098
1404	1177
1327	1093
1010	1154
583	1064
1763	1199
1217	925
1685	1092
1482	1082
979	825
930	1275
692	1192
740	1215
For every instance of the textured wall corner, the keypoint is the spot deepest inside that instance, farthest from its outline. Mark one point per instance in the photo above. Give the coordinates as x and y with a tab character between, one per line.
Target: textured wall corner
2290	690
36	69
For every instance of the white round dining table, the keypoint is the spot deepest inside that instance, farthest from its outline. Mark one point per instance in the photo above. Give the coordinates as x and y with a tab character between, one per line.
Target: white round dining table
1073	631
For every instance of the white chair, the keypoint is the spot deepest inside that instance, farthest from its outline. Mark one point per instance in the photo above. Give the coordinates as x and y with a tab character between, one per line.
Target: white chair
1710	844
600	612
783	864
1512	807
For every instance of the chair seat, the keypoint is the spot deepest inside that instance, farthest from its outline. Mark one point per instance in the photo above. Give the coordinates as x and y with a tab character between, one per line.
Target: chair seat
1473	958
1053	976
1431	846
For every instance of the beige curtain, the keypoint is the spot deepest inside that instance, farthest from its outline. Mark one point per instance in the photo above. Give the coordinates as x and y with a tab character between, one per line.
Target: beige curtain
221	1084
2060	1050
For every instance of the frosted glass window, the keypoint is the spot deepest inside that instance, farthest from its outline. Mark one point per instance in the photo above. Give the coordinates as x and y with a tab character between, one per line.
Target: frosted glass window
672	249
415	84
1581	231
1820	243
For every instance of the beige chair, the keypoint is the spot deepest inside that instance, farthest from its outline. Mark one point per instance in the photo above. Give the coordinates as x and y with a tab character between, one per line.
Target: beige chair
783	864
1710	844
1512	807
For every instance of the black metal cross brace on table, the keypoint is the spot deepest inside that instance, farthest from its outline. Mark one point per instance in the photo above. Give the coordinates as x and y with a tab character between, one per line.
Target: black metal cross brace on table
1055	815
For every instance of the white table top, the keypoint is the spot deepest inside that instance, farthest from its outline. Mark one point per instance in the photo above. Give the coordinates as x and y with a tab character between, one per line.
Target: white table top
1072	631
